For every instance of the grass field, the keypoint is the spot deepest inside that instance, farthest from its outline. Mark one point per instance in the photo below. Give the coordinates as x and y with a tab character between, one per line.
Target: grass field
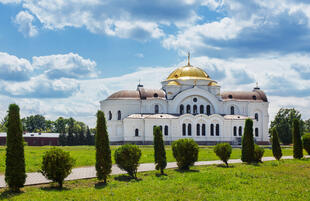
284	180
85	155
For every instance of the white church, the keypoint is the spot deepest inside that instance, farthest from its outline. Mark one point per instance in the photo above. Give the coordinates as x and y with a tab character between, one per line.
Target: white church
189	105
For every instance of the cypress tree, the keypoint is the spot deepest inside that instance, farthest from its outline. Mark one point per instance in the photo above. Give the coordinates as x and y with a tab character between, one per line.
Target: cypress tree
15	174
297	146
248	142
103	151
276	148
159	150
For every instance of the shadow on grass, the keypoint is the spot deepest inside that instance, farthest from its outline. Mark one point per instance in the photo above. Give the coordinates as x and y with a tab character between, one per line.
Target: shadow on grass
100	185
54	188
185	171
126	178
7	194
160	175
224	166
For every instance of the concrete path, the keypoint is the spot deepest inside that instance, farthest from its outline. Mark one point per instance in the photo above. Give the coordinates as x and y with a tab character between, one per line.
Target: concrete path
34	178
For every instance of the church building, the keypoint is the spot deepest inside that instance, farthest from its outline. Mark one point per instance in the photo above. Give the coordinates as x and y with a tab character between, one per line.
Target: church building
189	105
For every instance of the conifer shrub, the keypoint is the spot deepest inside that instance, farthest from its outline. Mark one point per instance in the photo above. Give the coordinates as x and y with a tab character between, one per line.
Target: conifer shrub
276	148
248	142
127	158
185	151
15	173
159	150
103	151
306	142
223	151
258	154
297	144
57	165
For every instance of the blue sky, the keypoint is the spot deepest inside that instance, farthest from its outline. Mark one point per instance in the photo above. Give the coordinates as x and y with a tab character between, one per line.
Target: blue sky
60	58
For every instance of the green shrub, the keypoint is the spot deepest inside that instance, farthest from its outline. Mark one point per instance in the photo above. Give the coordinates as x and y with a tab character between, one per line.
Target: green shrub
15	173
57	165
276	148
248	142
103	151
306	142
127	158
159	150
223	151
297	144
258	153
185	151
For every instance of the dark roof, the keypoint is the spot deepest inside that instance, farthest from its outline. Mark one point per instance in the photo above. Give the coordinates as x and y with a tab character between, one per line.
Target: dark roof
255	95
140	93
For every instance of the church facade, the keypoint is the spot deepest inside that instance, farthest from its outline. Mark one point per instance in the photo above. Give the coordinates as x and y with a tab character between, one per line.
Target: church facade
189	105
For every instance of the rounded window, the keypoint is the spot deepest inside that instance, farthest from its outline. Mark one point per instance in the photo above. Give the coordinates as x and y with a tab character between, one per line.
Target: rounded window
195	100
155	95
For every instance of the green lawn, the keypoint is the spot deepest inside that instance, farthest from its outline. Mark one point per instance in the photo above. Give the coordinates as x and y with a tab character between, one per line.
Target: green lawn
85	155
284	180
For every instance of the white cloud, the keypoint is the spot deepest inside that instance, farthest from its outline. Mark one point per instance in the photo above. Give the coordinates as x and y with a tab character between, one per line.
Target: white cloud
10	1
13	68
24	21
65	65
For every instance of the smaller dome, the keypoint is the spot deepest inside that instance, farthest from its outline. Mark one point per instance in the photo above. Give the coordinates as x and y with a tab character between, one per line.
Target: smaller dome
171	83
213	83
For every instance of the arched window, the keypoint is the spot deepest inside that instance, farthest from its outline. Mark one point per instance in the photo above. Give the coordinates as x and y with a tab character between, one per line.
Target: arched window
240	130
256	116
235	130
232	110
184	129
212	130
198	129
256	132
137	132
161	129
203	129
189	129
195	109
201	109
181	109
188	109
166	130
217	129
119	115
156	109
110	115
208	110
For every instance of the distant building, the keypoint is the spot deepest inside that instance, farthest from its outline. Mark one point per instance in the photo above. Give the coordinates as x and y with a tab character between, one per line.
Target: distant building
189	105
36	139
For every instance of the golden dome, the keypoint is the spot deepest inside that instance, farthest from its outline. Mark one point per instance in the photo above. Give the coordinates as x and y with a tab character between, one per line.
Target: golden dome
188	72
173	83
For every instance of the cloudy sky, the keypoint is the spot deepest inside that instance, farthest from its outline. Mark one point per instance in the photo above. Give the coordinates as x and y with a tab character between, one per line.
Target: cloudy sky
60	58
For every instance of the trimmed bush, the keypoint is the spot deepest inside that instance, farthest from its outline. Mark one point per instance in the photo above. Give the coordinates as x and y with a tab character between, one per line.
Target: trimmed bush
297	146
185	151
306	142
127	158
223	151
15	173
57	165
248	142
258	153
159	150
103	151
276	148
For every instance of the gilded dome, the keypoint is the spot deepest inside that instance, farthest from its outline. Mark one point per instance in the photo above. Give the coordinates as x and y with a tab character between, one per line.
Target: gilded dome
188	72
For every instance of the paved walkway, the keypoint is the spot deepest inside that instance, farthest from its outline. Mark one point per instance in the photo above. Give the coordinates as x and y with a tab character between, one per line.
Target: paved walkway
90	172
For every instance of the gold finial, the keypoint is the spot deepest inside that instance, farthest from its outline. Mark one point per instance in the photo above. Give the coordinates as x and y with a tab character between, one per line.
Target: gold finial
256	84
188	58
